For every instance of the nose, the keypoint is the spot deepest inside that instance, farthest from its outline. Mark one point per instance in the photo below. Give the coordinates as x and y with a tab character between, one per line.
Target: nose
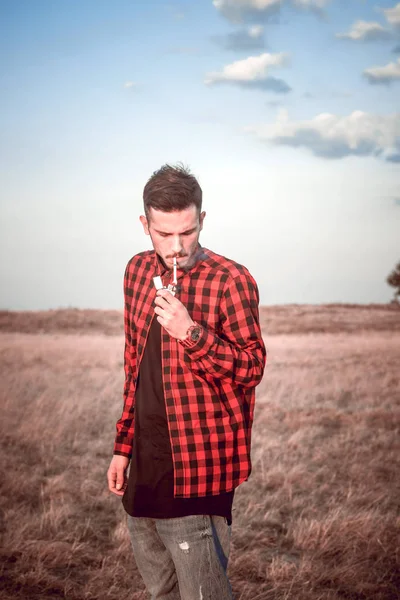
177	244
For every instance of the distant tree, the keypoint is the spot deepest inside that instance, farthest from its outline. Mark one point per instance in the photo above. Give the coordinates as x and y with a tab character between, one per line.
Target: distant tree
394	280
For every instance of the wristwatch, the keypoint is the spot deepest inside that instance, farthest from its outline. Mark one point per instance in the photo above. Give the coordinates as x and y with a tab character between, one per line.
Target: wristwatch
193	335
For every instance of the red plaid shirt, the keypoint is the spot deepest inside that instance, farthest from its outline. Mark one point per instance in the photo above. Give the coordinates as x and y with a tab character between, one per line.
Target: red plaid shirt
210	387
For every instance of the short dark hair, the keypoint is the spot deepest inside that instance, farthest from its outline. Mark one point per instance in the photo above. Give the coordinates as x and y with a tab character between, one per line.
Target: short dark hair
172	188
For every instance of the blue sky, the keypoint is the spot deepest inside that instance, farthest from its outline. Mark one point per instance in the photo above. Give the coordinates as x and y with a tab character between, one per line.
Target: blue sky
287	111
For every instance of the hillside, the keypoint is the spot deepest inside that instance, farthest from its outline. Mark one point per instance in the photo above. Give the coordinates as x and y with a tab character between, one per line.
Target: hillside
275	320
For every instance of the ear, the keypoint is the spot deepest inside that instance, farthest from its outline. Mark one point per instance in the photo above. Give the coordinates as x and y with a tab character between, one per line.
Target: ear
201	219
145	224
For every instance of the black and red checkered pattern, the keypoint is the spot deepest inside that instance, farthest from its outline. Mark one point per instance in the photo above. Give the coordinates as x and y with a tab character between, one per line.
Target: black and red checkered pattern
210	387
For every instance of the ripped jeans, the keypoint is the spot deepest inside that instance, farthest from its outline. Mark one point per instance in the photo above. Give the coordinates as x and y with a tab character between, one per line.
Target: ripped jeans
183	558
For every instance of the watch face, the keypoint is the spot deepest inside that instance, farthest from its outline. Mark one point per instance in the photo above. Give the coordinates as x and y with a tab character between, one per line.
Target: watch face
195	334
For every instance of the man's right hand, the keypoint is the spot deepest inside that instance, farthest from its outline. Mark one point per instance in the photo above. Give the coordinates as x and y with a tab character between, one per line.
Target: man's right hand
116	474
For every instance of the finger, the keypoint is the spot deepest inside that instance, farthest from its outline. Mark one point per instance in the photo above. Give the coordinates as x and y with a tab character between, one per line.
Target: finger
167	296
161	301
120	479
161	321
111	478
112	483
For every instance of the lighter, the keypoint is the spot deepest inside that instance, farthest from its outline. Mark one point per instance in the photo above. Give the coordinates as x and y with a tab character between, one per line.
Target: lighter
171	287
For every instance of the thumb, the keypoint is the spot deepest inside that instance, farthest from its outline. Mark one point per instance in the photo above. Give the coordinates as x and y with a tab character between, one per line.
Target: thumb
120	479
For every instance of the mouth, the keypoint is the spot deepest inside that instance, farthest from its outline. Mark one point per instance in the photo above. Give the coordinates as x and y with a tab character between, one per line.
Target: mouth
178	258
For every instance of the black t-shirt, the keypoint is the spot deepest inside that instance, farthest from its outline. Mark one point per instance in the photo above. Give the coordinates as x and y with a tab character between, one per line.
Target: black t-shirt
150	490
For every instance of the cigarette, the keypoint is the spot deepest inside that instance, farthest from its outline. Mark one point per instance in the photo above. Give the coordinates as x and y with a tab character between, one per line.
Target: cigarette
174	280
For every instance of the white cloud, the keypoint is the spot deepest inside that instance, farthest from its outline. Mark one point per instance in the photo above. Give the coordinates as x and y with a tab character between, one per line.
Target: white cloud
256	31
249	69
129	84
253	73
384	75
311	3
333	136
259	5
365	31
240	10
393	15
177	11
248	39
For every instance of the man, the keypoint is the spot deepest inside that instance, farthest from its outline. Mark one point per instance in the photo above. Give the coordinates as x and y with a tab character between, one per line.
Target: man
192	361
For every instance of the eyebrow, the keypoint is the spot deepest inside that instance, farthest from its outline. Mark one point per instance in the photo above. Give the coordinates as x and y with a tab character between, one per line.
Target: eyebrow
181	233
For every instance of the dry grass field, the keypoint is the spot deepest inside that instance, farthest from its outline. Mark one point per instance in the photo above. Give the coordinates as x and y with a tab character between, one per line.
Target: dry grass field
319	517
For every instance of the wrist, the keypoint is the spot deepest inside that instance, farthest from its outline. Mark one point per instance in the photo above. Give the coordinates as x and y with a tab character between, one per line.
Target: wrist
185	334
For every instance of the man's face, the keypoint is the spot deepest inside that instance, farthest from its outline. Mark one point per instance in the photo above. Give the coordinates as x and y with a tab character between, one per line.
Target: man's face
175	234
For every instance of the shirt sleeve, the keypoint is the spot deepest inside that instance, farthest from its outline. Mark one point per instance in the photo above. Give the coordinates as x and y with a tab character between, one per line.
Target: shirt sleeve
125	425
238	353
